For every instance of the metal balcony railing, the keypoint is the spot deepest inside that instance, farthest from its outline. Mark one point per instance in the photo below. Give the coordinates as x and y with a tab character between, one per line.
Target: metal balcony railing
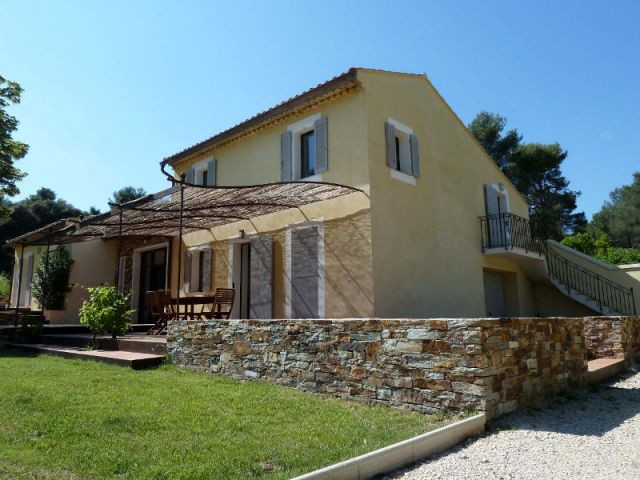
506	230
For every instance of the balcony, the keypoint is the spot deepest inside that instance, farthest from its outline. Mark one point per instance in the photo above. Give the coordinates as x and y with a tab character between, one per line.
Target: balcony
506	231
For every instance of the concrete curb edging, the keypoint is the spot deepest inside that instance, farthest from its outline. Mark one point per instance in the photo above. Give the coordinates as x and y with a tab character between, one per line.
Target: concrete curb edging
401	454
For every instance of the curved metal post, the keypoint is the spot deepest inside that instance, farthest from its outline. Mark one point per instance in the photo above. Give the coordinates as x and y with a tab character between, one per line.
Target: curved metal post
46	275
182	177
15	320
118	249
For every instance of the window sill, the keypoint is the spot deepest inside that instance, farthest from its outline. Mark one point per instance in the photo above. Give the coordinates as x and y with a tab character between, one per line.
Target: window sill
312	178
403	177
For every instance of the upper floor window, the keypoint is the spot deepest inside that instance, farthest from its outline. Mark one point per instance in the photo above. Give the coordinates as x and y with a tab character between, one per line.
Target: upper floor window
203	173
304	149
308	154
402	148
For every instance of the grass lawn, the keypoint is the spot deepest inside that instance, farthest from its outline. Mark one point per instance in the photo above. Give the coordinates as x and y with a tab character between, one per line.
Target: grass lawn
68	419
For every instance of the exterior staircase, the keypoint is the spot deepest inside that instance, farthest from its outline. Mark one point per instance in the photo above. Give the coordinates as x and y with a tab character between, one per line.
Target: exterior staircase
585	281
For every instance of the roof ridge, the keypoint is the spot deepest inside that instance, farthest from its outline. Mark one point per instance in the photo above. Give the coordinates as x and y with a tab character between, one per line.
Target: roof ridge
339	81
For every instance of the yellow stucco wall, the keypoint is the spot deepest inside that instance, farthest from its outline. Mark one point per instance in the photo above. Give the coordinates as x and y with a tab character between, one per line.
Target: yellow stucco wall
396	250
93	265
427	256
256	159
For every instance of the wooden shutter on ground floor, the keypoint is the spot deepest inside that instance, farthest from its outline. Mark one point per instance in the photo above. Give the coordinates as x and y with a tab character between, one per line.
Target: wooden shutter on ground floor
305	272
321	129
187	272
206	269
29	278
261	277
286	140
390	139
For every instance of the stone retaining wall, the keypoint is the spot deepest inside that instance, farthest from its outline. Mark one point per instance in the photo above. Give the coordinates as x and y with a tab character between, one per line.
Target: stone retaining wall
489	365
617	337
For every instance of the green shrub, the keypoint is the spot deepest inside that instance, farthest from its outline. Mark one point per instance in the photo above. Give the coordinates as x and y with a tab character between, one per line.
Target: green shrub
619	255
49	289
5	284
107	310
583	242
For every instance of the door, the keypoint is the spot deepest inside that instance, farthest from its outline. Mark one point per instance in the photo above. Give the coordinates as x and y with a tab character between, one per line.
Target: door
153	271
498	222
244	288
494	295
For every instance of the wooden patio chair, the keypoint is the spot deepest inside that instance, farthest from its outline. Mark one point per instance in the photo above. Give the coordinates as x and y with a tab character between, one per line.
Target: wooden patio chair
161	310
222	305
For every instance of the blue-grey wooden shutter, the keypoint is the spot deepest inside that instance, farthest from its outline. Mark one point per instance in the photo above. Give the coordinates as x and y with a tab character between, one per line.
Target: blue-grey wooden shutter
321	129
191	175
206	269
305	273
415	155
212	175
29	280
187	273
390	137
261	277
286	139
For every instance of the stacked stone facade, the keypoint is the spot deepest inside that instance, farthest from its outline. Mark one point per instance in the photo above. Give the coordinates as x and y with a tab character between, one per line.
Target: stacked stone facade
427	365
613	337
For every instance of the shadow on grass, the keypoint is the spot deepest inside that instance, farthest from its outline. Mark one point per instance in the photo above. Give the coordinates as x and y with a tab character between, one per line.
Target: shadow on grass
11	352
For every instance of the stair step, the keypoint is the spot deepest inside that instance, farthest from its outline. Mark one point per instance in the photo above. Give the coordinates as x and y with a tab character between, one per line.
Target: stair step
156	345
602	369
133	360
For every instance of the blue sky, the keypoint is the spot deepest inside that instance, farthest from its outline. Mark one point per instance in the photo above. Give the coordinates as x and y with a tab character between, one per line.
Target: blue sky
112	87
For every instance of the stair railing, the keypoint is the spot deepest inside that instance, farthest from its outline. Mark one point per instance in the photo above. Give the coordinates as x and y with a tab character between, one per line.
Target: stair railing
583	281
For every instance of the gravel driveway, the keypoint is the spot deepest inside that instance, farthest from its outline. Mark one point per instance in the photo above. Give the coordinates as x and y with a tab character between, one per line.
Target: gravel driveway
593	435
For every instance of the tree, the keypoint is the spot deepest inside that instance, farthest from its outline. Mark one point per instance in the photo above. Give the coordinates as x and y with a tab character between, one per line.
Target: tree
51	279
534	169
32	213
10	149
619	217
127	194
487	128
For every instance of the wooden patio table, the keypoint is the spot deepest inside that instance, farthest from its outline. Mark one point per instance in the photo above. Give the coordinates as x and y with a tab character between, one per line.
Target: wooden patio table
190	301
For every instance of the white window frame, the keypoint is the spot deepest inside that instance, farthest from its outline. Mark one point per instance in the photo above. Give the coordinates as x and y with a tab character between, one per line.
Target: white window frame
405	148
297	129
198	169
195	266
319	222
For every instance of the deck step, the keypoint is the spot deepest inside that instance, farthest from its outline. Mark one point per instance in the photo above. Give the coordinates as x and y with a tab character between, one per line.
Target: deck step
137	343
602	369
133	360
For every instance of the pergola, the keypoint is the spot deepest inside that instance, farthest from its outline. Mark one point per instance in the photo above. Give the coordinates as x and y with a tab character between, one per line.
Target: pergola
183	208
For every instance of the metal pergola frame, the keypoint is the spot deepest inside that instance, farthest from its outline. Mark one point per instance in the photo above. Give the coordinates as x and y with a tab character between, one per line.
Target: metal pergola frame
181	209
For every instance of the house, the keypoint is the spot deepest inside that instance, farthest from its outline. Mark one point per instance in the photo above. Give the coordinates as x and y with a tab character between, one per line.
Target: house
429	228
